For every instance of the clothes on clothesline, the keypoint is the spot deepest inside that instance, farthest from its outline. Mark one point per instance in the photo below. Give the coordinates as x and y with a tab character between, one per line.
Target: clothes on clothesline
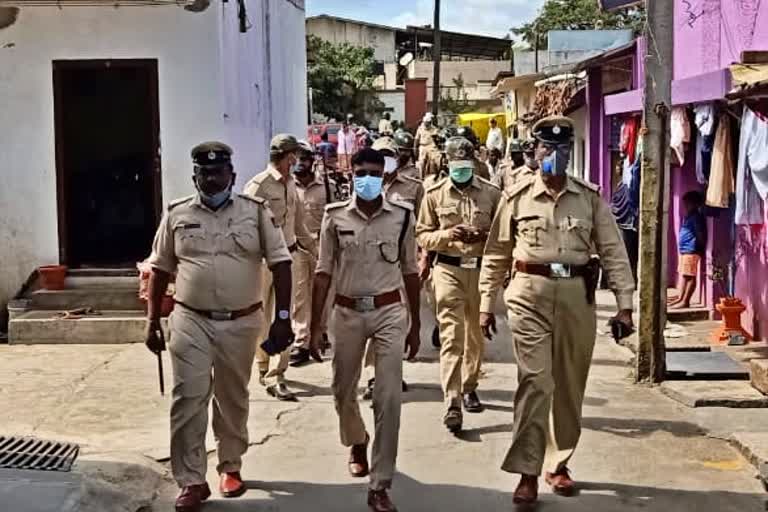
721	184
705	119
752	169
680	133
628	141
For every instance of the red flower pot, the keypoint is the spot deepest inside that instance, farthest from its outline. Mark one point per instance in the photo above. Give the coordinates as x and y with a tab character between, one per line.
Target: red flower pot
731	308
52	276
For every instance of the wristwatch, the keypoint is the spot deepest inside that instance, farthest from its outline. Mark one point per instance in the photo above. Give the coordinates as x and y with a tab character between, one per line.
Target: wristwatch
283	314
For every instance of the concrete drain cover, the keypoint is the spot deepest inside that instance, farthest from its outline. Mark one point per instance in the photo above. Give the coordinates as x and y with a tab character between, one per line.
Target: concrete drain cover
704	365
36	454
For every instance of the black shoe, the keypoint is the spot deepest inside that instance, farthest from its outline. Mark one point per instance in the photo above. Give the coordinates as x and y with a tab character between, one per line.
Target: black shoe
472	402
436	337
281	392
405	387
368	393
453	419
300	357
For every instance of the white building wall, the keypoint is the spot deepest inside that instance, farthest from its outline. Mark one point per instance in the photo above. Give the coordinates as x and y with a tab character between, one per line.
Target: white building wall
394	102
579	156
382	40
201	97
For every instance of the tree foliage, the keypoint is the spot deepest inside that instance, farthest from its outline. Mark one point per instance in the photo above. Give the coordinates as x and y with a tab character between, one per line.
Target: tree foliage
341	77
578	15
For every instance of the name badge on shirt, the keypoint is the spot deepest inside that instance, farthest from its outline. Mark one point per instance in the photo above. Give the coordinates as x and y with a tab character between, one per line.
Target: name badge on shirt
190	226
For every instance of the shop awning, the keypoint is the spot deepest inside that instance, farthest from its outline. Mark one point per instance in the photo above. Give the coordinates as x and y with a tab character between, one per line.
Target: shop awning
748	80
480	122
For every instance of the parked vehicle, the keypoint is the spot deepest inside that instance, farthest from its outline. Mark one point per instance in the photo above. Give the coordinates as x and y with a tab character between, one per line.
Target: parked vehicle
315	132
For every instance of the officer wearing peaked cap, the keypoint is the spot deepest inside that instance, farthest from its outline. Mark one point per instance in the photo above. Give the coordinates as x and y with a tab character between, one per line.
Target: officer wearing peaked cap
545	232
277	186
215	243
522	164
453	222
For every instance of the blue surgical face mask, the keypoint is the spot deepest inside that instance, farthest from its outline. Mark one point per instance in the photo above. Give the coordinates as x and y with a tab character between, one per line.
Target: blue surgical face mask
214	201
461	171
556	163
368	188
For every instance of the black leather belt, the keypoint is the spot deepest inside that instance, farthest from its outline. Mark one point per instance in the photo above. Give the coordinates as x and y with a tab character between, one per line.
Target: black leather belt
551	270
470	262
224	315
364	304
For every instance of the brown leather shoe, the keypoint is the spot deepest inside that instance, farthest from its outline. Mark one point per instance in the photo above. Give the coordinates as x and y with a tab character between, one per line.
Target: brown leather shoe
378	501
527	491
191	497
561	482
231	485
358	459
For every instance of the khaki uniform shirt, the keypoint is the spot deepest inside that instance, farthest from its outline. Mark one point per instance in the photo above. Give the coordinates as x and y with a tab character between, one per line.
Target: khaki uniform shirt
218	254
423	139
361	253
481	169
314	199
446	206
535	227
507	175
283	200
405	190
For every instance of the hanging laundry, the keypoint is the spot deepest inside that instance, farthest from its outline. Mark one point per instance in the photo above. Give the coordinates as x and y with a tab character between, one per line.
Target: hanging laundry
680	133
628	140
752	169
705	120
721	176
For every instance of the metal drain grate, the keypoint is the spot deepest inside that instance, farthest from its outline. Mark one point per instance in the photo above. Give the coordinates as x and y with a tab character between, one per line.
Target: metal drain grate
38	454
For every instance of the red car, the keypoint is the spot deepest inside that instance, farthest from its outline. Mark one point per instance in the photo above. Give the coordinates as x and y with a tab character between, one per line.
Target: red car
315	131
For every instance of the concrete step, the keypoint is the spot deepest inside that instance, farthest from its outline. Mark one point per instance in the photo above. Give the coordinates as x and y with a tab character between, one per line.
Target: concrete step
695	314
98	281
47	327
99	298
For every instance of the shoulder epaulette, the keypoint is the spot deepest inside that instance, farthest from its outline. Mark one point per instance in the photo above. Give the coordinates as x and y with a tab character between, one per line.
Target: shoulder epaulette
176	202
401	204
259	200
585	184
487	182
519	186
336	205
410	179
439	183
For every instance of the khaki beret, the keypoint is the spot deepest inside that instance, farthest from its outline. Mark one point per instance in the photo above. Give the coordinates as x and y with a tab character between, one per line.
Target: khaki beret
283	143
385	144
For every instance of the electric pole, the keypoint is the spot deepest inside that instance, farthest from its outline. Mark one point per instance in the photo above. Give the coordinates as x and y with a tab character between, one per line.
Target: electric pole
654	193
436	56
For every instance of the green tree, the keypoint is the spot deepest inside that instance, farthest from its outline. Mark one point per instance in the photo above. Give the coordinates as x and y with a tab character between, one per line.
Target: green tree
455	102
578	15
341	77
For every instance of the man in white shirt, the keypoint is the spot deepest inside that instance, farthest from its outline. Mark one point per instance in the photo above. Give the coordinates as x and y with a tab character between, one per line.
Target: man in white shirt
347	146
385	125
495	138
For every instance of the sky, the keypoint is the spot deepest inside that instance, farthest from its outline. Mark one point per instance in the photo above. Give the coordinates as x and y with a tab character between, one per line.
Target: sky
484	17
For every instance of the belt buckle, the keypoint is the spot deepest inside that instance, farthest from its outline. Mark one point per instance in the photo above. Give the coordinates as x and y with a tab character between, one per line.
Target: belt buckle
364	304
221	315
470	263
560	270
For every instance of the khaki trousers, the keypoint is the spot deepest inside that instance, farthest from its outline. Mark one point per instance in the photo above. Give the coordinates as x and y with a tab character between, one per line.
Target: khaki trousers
387	328
461	339
275	365
304	274
553	334
209	358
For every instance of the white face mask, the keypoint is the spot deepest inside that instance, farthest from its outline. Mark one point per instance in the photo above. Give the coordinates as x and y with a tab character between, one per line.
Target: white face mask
390	164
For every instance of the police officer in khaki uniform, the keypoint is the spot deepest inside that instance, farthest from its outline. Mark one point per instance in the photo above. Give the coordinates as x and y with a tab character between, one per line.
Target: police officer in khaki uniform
371	237
314	194
523	164
405	161
454	222
424	140
395	188
277	186
215	242
468	133
545	231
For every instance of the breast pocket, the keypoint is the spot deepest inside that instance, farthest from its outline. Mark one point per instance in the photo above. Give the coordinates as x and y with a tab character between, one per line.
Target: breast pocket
190	241
388	250
449	216
578	233
530	229
481	219
349	247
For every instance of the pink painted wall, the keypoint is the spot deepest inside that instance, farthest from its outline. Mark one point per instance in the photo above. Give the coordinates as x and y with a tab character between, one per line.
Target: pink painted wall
751	283
711	34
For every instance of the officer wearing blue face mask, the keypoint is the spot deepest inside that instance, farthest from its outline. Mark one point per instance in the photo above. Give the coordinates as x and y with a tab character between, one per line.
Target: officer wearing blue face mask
454	220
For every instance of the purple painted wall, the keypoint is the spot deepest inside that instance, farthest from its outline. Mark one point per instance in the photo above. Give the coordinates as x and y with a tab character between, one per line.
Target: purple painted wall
711	34
751	283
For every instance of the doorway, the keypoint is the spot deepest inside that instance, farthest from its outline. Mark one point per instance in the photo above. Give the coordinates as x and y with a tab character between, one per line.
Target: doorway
107	160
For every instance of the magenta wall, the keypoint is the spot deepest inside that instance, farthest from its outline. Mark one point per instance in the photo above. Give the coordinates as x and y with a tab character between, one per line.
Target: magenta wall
751	283
711	34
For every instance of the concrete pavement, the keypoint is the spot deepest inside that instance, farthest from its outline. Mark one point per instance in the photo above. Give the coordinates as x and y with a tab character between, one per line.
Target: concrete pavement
639	450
